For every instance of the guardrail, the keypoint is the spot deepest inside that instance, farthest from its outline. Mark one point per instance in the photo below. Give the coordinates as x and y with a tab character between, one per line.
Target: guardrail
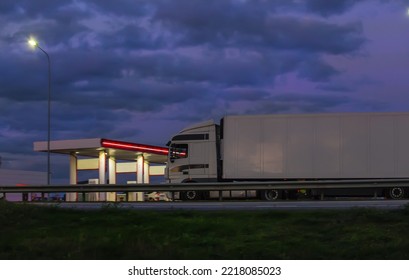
216	186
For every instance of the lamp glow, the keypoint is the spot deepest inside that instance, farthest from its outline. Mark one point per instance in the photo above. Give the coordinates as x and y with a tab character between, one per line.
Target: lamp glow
32	42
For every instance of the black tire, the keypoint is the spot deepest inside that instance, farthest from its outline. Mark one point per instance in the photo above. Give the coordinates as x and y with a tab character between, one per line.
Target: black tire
190	195
396	193
272	195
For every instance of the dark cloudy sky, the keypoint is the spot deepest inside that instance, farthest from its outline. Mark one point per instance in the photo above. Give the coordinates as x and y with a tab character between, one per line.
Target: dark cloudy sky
141	70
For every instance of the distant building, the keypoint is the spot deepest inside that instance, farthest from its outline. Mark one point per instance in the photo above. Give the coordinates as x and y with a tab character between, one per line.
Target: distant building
21	178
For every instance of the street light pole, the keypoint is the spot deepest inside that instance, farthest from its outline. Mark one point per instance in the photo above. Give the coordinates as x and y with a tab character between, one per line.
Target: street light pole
34	43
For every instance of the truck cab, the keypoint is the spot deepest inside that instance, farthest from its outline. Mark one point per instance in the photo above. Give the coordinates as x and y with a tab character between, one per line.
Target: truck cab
193	154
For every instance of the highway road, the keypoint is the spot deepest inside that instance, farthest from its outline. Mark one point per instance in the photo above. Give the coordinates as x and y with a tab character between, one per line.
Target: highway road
241	205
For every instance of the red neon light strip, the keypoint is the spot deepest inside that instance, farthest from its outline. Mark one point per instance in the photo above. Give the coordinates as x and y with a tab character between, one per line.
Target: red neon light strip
134	147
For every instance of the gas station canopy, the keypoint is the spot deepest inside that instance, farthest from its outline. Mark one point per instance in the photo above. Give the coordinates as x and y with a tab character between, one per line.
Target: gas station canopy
109	157
119	150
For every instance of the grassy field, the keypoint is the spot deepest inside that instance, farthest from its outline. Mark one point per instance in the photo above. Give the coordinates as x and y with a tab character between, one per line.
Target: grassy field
34	232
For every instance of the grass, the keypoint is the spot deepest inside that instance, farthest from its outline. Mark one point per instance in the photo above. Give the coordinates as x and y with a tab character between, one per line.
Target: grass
30	232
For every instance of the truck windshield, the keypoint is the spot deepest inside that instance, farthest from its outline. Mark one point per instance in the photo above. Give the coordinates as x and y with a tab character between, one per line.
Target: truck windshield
178	151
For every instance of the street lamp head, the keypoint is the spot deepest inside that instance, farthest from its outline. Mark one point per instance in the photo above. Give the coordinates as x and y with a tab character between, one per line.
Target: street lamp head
32	42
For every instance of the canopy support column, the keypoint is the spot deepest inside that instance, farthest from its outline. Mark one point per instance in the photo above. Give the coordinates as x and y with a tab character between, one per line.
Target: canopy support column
140	175
111	196
73	177
102	171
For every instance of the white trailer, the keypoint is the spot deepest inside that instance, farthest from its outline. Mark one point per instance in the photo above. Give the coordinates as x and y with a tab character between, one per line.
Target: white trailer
345	146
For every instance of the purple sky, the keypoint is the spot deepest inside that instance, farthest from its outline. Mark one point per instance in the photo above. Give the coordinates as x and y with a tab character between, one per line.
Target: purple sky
142	70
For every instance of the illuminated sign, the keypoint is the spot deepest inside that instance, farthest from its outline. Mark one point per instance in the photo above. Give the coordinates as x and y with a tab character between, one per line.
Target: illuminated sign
134	147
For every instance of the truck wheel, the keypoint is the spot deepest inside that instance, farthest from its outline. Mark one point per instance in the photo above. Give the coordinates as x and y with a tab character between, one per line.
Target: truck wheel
396	193
190	195
272	195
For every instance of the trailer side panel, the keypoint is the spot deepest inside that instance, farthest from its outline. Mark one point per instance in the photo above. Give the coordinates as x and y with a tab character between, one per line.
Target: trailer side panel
316	146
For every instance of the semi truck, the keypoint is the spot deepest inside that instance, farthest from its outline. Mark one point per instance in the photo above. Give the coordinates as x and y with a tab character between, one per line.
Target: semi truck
293	147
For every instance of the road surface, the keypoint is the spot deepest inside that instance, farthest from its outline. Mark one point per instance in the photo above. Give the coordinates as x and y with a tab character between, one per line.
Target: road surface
229	205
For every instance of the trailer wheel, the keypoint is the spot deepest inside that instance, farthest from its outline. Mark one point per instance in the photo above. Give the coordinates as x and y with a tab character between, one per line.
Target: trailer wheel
396	193
272	195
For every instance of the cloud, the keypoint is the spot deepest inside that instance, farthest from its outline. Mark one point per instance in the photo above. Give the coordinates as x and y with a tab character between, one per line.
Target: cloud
327	8
316	70
299	103
225	24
